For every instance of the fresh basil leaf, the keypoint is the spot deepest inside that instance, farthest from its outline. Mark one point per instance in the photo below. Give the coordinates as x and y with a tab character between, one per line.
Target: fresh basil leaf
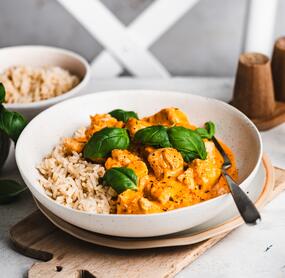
187	142
122	115
153	136
104	141
207	132
12	123
2	93
9	190
4	147
211	128
202	132
121	179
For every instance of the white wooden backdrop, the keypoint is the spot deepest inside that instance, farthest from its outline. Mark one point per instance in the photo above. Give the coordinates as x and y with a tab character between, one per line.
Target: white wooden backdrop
128	47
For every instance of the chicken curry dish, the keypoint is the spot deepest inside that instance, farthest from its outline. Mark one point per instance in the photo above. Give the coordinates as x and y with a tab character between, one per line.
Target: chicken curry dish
156	163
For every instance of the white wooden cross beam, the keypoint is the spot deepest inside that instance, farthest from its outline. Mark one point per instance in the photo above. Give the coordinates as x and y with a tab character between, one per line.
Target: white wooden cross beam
127	47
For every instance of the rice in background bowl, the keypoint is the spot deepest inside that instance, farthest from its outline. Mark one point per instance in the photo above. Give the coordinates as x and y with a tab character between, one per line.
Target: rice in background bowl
38	57
25	84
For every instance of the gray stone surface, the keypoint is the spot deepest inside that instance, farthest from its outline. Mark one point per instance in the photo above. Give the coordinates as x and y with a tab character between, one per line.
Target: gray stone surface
206	41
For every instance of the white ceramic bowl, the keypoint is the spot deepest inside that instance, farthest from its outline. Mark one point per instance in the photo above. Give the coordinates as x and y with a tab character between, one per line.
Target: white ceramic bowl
41	56
233	127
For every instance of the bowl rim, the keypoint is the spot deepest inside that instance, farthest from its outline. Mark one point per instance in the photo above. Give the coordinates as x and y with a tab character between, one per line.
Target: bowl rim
43	103
178	210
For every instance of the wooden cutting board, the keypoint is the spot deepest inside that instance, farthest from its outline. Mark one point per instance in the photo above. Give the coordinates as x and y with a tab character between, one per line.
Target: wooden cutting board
66	256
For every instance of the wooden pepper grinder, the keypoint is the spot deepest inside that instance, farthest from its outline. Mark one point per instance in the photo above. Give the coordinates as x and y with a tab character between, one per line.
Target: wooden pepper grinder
253	89
278	69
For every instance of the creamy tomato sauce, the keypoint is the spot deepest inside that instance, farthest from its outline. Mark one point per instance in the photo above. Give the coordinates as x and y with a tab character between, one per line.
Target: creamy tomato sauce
165	180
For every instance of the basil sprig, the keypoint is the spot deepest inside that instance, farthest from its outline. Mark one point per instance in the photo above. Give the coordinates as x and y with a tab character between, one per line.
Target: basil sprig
4	147
104	141
208	132
187	142
121	179
155	136
11	123
2	93
122	115
11	126
9	190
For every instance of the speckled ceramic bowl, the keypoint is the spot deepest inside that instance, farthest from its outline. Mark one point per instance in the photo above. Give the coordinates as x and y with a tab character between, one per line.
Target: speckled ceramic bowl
38	56
233	127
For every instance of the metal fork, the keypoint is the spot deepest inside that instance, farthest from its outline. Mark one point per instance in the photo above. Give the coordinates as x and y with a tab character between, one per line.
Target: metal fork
246	208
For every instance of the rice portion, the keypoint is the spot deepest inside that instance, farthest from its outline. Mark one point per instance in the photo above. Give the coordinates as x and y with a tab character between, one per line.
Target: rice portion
25	84
74	182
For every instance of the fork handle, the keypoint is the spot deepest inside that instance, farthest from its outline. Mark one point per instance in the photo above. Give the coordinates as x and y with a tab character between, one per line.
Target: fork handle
246	208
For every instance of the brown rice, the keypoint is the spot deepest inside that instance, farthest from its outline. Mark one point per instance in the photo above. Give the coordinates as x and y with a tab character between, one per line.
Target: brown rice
25	84
74	182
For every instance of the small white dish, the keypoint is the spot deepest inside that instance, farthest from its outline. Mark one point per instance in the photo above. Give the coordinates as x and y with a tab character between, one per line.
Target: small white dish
233	127
38	56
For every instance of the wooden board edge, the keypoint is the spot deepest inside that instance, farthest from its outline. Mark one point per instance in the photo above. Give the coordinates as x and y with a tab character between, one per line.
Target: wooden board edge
199	251
22	245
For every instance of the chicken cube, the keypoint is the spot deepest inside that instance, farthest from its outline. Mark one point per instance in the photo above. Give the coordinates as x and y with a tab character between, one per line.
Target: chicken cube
166	162
167	116
124	158
71	145
100	121
207	172
133	125
148	206
187	178
133	202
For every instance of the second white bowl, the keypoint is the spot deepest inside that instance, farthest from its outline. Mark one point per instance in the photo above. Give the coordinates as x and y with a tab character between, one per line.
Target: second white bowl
38	56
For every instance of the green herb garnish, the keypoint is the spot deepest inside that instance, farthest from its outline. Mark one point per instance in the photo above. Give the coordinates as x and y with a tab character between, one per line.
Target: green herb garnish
4	147
122	115
155	136
2	93
120	179
207	132
187	142
11	126
11	123
104	141
10	190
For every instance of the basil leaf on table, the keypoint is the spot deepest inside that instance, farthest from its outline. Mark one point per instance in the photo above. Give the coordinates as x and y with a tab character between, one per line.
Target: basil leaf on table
11	126
9	190
104	141
120	179
123	115
4	147
187	142
207	132
153	136
12	123
2	93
